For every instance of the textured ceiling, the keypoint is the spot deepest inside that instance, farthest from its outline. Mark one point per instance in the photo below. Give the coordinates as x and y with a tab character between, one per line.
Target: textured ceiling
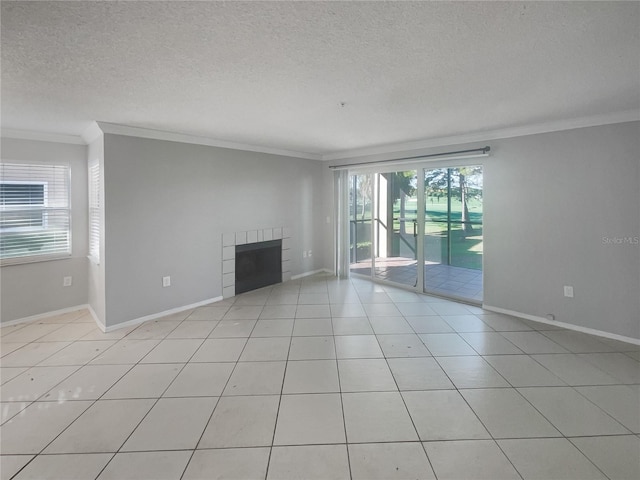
274	74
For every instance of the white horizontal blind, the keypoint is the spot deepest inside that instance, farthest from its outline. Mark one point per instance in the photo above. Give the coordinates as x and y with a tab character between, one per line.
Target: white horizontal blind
35	214
94	211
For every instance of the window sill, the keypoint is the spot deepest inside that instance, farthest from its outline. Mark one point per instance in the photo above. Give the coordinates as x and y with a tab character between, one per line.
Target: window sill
8	262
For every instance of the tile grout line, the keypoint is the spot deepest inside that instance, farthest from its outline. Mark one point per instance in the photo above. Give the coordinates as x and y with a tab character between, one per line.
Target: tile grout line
470	408
344	418
61	381
193	451
413	423
333	336
284	376
101	398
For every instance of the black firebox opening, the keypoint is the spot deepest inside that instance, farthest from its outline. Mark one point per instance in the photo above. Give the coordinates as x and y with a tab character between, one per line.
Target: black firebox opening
258	265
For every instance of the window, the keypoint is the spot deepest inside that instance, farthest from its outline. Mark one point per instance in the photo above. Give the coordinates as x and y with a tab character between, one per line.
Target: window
35	216
94	212
23	196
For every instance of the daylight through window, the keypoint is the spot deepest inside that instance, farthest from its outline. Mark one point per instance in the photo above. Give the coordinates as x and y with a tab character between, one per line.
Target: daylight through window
94	212
35	215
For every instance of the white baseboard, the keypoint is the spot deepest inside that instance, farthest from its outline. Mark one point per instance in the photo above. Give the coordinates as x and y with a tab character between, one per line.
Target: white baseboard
568	326
307	274
96	319
153	316
43	315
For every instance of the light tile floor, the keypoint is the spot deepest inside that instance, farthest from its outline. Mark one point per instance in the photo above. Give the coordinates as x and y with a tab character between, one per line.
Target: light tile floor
318	378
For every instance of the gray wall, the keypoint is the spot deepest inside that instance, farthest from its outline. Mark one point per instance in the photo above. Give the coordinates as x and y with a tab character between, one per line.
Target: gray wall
167	205
36	288
549	200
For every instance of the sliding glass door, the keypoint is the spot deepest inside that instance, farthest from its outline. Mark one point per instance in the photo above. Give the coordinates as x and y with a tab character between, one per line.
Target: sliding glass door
360	223
396	227
453	232
389	239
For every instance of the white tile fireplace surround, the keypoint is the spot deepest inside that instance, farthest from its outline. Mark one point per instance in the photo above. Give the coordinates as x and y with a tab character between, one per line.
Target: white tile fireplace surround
229	242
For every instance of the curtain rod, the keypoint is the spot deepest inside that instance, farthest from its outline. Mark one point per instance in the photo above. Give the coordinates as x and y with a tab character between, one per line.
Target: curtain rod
482	150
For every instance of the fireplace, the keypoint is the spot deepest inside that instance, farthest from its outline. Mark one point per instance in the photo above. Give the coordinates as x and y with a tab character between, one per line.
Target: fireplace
258	265
231	240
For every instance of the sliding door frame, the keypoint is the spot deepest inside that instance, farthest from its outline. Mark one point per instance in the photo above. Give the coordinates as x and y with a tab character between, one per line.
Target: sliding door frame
376	170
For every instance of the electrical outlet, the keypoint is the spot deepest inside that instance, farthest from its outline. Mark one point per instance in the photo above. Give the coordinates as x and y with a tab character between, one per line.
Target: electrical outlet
304	254
568	291
310	253
67	281
166	281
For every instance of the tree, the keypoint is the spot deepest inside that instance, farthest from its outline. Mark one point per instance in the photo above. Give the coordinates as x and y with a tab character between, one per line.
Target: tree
458	181
365	189
435	183
464	174
403	184
466	226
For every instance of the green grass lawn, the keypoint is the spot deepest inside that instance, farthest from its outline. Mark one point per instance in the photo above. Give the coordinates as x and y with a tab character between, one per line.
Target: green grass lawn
466	250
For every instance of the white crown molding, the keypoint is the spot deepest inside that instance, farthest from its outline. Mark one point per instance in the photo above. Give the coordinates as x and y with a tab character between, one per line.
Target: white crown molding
547	127
117	129
42	137
96	128
91	133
